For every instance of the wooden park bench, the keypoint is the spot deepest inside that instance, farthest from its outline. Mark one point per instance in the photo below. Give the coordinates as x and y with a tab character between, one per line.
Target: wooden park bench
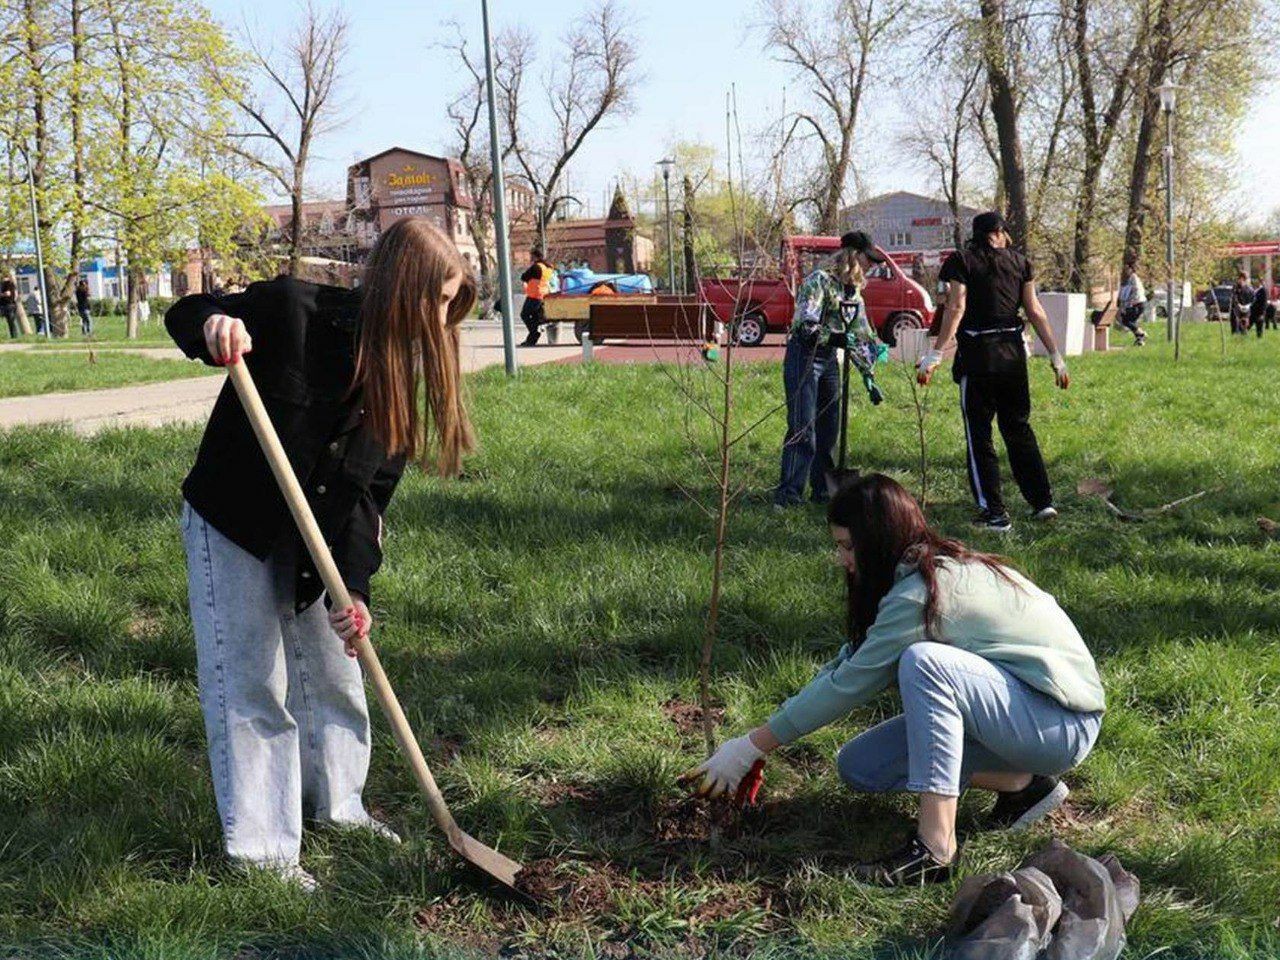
680	319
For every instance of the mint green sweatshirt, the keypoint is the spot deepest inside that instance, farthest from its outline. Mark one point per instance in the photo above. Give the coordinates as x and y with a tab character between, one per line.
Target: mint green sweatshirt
1015	625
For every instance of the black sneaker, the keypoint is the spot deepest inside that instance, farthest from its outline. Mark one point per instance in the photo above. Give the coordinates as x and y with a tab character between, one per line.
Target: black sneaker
912	866
998	522
1018	811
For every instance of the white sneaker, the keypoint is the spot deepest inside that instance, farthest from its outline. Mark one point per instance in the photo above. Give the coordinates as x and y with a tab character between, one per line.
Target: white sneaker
290	873
380	829
1045	513
295	875
371	824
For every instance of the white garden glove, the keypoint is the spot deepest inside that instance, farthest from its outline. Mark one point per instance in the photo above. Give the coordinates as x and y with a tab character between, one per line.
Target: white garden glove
928	363
1060	375
726	768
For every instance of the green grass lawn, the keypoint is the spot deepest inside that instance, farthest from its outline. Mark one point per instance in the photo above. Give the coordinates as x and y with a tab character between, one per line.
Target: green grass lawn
536	617
107	330
23	373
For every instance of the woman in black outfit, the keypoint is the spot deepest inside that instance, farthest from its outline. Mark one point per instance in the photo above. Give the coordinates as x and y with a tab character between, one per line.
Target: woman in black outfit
988	284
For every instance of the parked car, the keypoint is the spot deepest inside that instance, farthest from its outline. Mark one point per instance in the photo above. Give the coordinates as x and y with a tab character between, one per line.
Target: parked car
1222	295
756	306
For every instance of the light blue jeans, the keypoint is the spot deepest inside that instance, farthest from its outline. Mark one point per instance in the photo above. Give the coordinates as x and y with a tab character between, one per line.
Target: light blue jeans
961	715
284	707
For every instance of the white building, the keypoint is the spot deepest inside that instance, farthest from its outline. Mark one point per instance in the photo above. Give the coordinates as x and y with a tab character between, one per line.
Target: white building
908	224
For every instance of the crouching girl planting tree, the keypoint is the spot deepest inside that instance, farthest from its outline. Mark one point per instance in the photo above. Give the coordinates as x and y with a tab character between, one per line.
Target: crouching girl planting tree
340	373
998	689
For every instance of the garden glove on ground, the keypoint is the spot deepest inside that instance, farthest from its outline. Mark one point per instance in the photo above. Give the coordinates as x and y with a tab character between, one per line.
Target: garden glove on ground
724	771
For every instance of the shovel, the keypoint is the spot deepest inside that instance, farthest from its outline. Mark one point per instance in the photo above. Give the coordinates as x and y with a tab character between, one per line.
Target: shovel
503	869
840	474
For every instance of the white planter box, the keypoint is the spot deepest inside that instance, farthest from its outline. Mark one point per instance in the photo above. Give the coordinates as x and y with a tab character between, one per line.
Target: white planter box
913	344
1067	319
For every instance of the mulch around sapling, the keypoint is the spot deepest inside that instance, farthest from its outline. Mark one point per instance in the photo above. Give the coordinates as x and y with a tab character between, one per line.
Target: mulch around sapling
688	716
581	891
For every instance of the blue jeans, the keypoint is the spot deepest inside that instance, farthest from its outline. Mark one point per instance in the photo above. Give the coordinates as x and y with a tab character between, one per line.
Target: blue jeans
811	379
284	707
961	715
86	321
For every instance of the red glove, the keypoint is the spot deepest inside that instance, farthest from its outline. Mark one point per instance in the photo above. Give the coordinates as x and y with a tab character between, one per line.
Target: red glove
750	786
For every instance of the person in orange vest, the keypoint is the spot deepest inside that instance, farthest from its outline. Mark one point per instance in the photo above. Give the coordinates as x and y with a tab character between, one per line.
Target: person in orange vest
537	281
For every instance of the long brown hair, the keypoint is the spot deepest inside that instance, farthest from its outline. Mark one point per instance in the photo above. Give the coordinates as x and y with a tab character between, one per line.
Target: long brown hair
403	346
885	523
847	268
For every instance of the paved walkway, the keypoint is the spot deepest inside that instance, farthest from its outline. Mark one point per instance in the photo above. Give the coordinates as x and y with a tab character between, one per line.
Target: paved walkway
189	400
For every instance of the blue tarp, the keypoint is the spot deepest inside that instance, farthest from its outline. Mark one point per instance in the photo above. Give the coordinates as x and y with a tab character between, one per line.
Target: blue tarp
584	281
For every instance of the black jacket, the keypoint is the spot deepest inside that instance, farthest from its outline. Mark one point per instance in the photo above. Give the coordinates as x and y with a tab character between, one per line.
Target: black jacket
303	361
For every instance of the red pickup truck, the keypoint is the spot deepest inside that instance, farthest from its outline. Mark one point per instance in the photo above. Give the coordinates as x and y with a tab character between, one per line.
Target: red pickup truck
758	305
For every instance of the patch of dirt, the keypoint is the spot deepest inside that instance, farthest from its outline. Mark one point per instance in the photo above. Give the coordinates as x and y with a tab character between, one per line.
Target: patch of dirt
143	626
558	792
688	716
694	820
441	918
570	893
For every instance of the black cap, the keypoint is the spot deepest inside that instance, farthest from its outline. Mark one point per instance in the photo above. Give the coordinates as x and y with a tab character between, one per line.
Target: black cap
861	242
985	224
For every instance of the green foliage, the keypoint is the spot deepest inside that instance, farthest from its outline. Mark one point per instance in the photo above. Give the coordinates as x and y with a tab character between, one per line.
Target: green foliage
104	307
158	175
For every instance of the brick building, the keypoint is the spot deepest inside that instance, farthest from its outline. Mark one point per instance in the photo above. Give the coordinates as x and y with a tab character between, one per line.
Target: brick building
328	229
608	244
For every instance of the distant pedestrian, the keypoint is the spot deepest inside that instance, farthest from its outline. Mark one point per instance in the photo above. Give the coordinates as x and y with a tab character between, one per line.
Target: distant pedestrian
537	284
1258	309
1212	312
35	310
1133	304
989	282
9	306
1241	301
82	307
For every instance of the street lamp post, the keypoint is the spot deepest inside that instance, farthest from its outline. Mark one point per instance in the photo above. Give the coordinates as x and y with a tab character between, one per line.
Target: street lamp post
666	166
502	243
1168	101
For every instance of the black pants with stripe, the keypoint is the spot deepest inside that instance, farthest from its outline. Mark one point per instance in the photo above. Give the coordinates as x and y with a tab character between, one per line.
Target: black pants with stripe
1006	397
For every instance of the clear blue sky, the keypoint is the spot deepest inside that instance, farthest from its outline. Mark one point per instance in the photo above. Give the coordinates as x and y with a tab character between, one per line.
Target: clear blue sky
690	53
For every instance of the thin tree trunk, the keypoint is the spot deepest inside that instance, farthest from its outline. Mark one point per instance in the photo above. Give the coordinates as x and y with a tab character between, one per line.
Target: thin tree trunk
1135	222
77	153
829	215
1004	108
717	566
24	322
690	260
55	312
295	229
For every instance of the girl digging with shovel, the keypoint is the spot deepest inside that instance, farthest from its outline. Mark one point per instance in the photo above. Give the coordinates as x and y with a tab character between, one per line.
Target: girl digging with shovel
999	692
340	373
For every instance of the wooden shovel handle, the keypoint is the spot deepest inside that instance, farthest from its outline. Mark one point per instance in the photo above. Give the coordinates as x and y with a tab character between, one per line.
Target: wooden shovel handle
338	593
